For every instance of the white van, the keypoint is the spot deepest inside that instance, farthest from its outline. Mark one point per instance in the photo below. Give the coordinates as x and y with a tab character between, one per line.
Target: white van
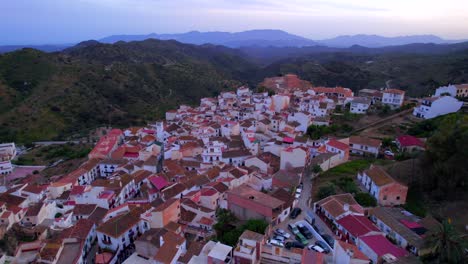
275	242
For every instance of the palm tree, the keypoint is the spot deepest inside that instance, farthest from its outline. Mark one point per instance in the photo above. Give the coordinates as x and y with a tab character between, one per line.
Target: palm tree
446	244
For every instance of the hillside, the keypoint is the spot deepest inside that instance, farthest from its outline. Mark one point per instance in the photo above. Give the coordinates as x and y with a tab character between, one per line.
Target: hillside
418	74
54	95
65	94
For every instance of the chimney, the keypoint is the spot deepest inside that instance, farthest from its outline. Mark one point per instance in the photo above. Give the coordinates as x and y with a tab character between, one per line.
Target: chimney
346	207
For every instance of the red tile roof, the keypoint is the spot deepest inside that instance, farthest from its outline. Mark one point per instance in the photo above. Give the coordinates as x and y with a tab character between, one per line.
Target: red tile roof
357	225
381	246
337	144
158	181
407	141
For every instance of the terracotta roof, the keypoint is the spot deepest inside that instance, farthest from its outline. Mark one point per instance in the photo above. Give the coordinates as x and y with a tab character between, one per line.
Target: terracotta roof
169	249
365	141
334	204
408	141
166	205
80	229
337	144
84	209
90	164
357	254
186	215
357	225
117	226
394	91
379	176
246	192
252	236
236	153
173	190
36	189
381	246
33	210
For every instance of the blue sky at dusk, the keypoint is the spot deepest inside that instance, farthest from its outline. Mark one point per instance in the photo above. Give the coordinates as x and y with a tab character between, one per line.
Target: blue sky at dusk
68	21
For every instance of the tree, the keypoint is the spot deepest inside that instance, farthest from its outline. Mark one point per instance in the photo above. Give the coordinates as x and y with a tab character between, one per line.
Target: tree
316	168
365	199
256	225
316	132
445	159
446	244
326	191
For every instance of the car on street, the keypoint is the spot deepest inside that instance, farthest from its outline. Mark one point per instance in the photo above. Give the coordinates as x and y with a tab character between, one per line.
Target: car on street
283	233
300	238
330	240
275	243
297	195
293	244
318	229
316	248
322	245
305	231
295	212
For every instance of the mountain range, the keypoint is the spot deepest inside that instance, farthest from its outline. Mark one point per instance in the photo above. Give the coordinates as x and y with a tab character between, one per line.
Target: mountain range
257	38
64	94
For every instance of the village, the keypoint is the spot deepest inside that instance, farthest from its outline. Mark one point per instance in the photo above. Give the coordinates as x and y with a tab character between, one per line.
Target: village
233	180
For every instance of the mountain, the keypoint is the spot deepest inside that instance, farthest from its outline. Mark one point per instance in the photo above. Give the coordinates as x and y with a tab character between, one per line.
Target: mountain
375	41
261	38
45	48
268	55
64	94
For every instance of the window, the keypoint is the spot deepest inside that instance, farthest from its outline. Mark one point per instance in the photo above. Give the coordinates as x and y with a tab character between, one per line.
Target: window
398	197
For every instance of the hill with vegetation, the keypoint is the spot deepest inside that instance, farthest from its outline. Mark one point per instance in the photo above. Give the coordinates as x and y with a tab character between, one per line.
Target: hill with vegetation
57	95
65	94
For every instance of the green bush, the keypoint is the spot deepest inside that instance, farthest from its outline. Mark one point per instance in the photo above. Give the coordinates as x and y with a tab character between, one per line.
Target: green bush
347	184
365	199
326	191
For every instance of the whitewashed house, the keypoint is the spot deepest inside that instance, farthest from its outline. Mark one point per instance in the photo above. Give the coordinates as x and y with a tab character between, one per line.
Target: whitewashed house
446	90
393	98
359	105
436	106
364	145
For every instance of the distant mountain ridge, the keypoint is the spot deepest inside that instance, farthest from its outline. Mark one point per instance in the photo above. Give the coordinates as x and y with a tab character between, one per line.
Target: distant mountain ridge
262	38
375	41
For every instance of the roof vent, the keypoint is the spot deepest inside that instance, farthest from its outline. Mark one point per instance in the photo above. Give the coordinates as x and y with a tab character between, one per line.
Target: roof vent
251	197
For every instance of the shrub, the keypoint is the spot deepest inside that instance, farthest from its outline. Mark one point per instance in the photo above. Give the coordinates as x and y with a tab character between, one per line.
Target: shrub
365	199
326	191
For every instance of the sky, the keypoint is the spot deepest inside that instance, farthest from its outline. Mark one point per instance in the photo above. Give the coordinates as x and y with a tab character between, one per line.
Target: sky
71	21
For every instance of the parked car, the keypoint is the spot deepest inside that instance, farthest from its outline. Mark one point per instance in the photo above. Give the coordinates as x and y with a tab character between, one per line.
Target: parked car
283	233
297	195
318	229
275	243
322	245
305	231
295	212
279	238
330	240
300	238
389	153
291	227
316	248
293	244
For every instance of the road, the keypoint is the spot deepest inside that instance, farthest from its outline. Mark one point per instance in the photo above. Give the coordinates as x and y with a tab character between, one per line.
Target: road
48	143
